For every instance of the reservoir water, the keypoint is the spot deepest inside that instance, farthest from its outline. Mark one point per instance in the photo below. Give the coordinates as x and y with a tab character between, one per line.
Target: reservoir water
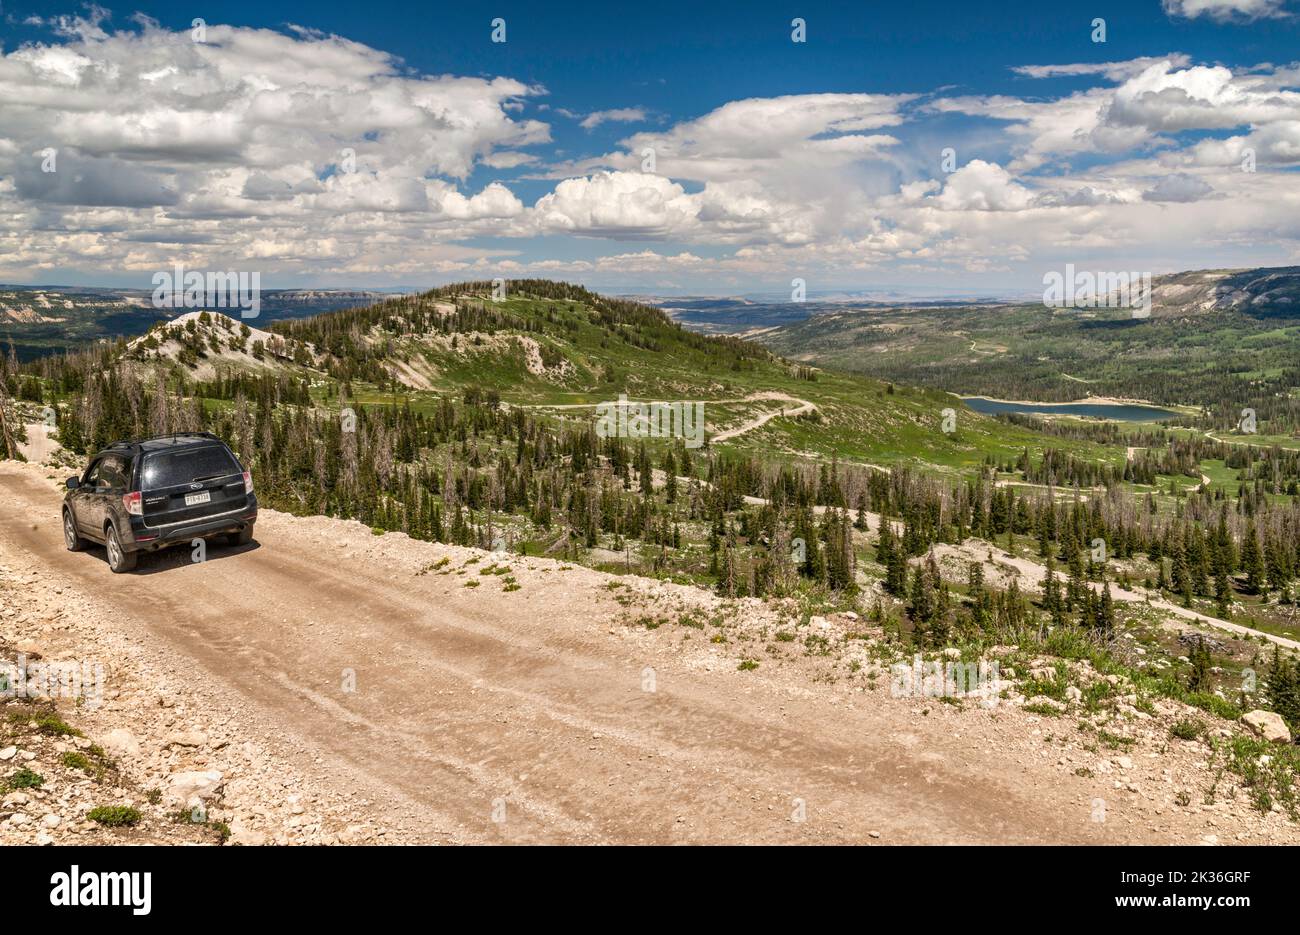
1116	412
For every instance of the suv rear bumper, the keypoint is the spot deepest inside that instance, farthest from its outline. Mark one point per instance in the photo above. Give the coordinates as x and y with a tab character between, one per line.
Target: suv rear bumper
151	538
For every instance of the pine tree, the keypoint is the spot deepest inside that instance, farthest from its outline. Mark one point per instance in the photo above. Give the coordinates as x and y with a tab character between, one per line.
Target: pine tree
728	575
1052	601
1223	594
1252	560
860	523
1284	688
921	602
1198	677
1104	619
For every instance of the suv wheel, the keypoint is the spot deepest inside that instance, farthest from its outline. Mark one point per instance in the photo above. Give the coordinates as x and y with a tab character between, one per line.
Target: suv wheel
71	539
119	560
243	537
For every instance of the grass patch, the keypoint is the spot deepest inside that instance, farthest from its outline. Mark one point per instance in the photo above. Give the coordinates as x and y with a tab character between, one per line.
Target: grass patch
1267	772
47	722
816	645
1049	688
115	816
1115	741
94	761
24	778
1045	710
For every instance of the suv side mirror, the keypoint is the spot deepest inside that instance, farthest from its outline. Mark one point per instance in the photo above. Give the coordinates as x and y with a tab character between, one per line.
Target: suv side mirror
73	483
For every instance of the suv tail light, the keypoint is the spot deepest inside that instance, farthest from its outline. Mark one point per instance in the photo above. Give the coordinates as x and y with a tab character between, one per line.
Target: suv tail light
248	483
131	502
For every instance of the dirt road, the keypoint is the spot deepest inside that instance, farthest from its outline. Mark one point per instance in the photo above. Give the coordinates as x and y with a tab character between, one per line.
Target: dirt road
482	714
800	407
39	444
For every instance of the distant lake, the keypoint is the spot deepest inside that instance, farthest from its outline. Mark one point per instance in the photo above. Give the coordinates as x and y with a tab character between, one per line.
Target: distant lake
1117	413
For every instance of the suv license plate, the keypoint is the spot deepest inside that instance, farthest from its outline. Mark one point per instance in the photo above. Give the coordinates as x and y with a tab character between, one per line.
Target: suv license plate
194	499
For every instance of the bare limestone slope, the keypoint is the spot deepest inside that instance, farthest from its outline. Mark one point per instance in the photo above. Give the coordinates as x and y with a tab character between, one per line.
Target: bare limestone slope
349	687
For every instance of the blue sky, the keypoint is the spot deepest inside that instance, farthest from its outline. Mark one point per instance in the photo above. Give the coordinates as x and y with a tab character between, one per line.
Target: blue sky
823	160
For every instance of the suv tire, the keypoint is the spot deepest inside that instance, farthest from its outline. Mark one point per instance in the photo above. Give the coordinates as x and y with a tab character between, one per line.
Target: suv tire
243	537
71	539
119	560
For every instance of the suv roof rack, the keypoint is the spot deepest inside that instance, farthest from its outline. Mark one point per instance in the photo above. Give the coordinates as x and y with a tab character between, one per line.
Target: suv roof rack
136	442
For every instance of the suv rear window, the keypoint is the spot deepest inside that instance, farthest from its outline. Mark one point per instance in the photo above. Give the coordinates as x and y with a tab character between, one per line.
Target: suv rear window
170	468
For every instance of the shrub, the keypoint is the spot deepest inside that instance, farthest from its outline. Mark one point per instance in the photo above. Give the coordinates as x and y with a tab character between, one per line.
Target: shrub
115	816
47	722
24	778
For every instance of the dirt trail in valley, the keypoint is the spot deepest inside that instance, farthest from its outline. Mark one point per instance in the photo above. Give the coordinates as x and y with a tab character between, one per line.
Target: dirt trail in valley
801	407
529	706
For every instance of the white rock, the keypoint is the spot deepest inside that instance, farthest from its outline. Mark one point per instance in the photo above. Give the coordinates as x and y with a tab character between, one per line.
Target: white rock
186	738
1267	725
121	742
193	786
8	753
247	837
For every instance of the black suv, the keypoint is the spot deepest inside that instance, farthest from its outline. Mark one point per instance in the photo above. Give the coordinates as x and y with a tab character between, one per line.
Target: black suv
145	495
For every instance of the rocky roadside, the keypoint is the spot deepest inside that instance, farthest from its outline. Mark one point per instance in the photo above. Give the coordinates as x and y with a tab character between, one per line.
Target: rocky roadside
153	754
1150	761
